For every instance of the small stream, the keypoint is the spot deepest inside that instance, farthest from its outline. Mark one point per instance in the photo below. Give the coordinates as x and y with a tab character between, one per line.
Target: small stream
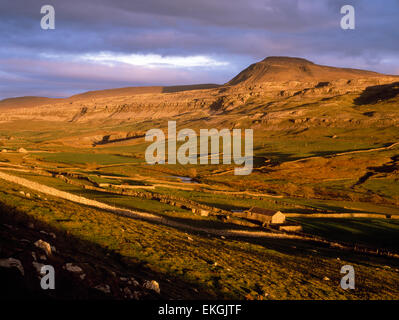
184	179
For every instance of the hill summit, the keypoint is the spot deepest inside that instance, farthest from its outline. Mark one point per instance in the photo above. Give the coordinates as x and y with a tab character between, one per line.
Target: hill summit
282	69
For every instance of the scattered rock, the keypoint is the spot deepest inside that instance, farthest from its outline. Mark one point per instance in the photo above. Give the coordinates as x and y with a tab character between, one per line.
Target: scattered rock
104	288
38	266
326	279
12	263
128	293
22	150
152	285
72	268
134	282
45	246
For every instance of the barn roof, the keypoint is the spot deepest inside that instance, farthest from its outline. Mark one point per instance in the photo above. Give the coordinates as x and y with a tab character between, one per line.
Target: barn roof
265	212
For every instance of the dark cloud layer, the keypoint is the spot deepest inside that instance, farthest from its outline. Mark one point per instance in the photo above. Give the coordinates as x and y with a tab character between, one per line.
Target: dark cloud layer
228	34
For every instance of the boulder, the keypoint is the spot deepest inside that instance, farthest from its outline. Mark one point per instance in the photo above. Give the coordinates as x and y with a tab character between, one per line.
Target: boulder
45	246
152	285
72	268
204	213
12	263
128	293
104	288
38	266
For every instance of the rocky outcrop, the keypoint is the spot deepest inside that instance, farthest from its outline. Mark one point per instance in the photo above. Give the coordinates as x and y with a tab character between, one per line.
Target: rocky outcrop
45	246
276	78
119	137
152	285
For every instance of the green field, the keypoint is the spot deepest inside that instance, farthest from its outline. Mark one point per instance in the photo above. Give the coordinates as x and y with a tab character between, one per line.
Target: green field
87	158
375	233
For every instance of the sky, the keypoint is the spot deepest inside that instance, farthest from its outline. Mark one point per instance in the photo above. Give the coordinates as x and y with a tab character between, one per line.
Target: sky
101	44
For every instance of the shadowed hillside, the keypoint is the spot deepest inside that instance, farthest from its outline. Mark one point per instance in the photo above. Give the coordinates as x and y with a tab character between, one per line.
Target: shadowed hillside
375	94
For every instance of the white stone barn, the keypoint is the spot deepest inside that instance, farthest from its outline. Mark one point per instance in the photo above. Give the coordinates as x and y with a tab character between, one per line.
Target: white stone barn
265	216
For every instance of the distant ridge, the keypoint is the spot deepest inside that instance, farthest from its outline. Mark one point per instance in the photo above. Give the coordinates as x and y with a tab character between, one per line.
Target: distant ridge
272	69
128	91
32	101
281	69
28	101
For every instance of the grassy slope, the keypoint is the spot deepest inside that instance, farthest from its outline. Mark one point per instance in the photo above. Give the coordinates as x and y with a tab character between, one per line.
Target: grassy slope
272	269
377	233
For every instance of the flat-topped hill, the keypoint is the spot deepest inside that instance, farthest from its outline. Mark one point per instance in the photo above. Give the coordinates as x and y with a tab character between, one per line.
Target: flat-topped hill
281	69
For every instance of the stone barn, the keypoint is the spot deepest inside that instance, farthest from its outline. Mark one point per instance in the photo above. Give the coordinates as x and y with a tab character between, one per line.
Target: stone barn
265	216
